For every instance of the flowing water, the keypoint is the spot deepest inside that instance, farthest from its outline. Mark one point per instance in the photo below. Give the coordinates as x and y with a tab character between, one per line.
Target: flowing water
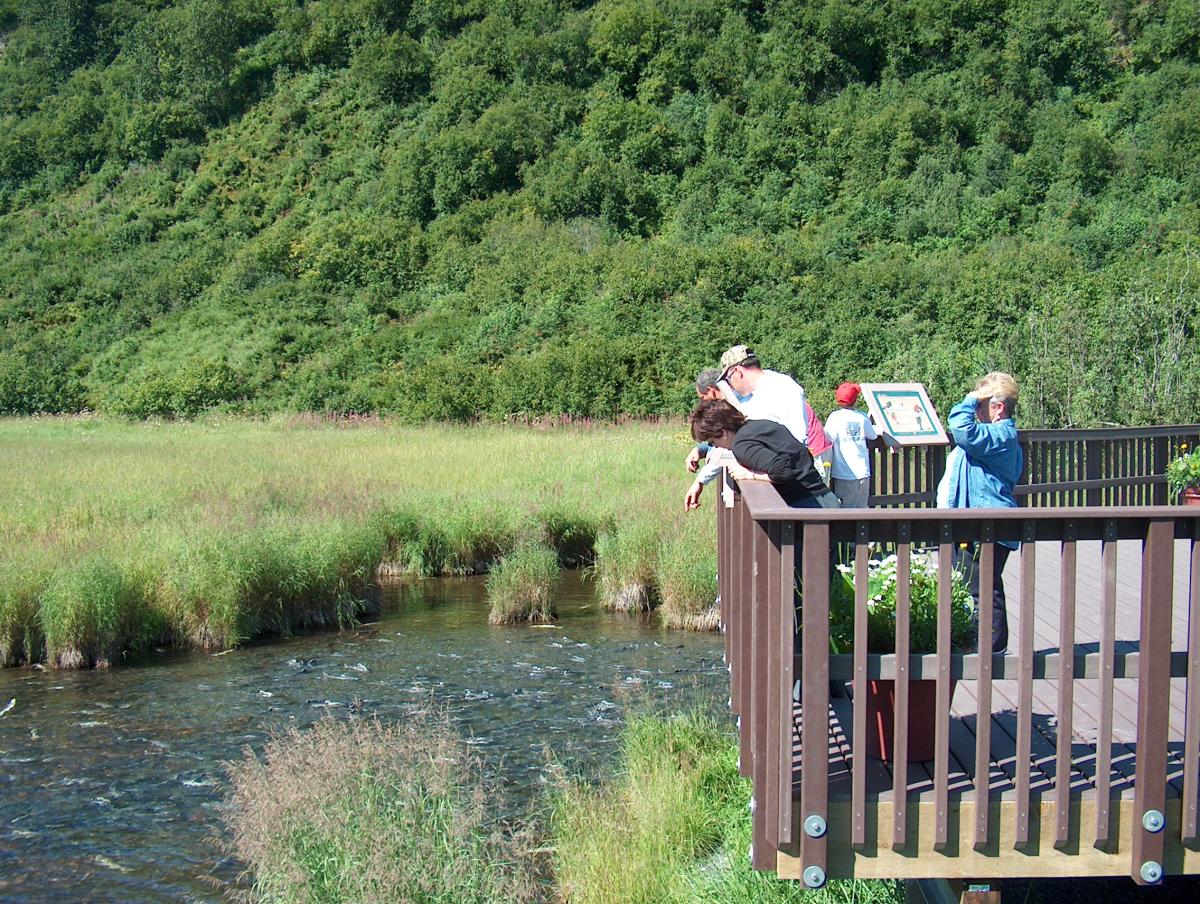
111	782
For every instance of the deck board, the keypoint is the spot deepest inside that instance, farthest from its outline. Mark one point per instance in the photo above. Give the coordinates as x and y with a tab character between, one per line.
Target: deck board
1085	709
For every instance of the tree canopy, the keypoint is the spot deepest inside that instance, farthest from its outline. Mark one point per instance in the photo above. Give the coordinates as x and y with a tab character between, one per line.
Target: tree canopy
450	209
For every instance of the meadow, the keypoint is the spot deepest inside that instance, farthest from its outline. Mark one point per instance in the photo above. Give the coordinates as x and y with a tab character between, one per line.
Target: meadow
120	536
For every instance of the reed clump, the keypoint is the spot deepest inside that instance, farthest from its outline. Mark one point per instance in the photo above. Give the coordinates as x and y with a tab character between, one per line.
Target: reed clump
95	612
687	577
519	587
627	566
401	813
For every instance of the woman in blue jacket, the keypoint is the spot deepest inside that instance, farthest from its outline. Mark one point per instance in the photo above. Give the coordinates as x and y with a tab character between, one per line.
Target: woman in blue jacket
984	476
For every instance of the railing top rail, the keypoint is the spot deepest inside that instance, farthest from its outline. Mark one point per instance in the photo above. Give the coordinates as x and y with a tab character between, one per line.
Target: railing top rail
765	504
1111	432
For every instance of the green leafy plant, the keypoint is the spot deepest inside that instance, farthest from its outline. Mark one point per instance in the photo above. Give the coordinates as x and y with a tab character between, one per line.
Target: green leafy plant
1184	472
882	589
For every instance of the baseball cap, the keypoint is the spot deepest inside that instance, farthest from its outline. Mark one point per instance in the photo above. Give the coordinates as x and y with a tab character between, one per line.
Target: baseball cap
738	354
847	393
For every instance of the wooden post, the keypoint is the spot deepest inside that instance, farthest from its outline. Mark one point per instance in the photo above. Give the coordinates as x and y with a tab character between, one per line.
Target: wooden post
1154	690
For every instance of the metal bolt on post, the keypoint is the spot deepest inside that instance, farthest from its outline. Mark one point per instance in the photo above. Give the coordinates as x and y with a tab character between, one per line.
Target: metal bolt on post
814	876
1151	871
814	826
1153	821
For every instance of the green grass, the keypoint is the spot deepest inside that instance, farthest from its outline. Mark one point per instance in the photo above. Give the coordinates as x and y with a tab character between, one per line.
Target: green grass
673	827
402	813
519	586
117	536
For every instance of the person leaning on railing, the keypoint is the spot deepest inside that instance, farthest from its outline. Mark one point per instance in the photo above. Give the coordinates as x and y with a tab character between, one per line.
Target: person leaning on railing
765	450
983	476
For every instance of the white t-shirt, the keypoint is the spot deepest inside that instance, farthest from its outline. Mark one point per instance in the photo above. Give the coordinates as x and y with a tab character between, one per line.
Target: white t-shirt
849	431
778	398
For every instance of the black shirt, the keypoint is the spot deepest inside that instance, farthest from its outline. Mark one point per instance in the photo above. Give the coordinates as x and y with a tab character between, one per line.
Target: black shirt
772	449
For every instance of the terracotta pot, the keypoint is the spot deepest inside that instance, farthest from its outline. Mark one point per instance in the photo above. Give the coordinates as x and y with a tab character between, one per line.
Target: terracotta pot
922	718
1190	496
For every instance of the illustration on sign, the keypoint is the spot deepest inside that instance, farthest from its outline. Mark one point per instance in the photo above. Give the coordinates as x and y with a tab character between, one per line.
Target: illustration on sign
903	412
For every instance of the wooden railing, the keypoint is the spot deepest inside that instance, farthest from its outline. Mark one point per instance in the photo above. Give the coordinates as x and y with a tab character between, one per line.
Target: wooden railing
1121	466
1038	800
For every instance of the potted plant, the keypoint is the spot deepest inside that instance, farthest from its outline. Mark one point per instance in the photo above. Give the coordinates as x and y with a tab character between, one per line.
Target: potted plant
881	638
1183	476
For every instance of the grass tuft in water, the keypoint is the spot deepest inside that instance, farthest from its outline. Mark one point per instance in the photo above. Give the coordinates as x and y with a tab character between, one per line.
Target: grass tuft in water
401	813
626	559
686	573
520	584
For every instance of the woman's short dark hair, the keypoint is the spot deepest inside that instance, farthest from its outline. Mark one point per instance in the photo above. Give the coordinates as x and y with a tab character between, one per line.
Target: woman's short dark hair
713	417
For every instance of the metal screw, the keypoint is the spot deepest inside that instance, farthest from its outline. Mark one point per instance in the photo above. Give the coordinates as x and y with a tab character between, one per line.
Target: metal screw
1151	871
814	826
1153	821
814	876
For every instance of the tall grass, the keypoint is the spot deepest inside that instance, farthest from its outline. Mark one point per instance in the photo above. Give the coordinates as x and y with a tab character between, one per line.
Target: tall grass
687	576
627	557
114	536
400	814
674	828
518	588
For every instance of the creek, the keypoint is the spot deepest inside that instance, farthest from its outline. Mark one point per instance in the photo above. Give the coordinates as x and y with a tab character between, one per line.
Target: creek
111	782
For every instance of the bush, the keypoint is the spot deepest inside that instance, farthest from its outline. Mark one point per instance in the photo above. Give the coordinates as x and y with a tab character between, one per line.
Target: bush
184	392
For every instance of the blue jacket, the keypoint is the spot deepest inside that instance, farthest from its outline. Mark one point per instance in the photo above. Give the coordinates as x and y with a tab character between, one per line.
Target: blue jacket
991	464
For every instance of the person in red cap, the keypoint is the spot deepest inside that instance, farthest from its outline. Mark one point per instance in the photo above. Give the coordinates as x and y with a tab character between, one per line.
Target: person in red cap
849	430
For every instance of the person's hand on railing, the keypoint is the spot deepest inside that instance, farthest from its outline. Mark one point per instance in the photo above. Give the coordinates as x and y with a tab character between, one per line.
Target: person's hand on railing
692	462
740	472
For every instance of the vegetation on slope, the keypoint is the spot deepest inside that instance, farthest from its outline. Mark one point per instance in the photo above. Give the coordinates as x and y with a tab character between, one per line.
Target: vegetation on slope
446	209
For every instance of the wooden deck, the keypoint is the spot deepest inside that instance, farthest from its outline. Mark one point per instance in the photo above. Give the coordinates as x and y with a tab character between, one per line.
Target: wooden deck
1085	725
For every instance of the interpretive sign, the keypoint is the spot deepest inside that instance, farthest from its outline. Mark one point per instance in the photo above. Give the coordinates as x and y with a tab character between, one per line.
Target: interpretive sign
903	413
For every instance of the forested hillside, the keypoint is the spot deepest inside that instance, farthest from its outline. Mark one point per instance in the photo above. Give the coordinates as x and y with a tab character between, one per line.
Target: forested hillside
463	208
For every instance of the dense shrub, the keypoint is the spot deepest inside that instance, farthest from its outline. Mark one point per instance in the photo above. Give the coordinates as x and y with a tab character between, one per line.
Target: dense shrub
482	209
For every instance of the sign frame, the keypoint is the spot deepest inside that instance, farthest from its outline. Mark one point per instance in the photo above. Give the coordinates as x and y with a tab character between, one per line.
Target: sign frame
903	414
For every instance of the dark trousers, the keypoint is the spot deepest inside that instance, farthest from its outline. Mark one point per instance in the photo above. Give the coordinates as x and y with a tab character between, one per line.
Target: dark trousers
966	562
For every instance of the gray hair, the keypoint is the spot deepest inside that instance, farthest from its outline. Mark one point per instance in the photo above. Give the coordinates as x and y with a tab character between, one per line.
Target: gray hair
706	380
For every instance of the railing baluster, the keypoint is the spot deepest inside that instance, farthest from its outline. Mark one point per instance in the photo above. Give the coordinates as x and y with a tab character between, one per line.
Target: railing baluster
1154	688
786	611
983	695
900	716
745	641
814	743
858	829
1191	744
764	853
1161	459
1066	687
941	754
1025	681
1108	633
773	792
733	608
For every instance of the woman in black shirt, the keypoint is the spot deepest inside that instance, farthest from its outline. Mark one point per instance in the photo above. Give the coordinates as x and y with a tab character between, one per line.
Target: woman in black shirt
764	448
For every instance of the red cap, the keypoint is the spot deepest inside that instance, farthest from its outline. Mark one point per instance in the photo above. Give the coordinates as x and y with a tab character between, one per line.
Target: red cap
847	394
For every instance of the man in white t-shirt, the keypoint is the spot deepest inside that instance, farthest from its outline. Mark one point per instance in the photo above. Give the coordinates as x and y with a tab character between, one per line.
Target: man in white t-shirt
772	396
849	430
